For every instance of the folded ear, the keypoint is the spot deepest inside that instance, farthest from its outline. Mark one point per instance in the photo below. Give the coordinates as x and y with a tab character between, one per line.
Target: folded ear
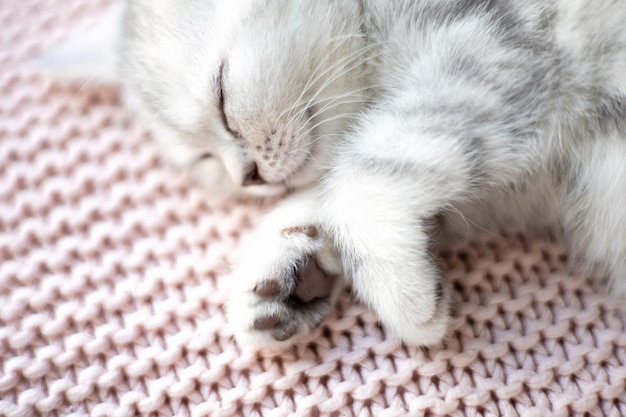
88	55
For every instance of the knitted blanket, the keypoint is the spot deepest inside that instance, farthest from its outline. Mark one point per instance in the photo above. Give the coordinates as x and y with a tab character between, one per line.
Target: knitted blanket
112	272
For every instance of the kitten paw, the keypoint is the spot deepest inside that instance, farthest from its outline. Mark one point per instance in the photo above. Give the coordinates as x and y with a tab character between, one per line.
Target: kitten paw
426	328
290	280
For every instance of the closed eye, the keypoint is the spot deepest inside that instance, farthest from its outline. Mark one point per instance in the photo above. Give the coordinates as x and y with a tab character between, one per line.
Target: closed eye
220	98
203	157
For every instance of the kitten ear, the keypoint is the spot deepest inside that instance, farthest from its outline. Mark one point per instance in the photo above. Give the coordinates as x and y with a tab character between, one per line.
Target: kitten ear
90	54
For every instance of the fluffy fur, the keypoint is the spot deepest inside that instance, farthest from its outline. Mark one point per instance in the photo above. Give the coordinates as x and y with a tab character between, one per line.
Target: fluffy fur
388	121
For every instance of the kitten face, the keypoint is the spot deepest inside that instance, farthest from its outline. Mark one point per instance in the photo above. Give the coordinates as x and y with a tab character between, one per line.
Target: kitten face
248	94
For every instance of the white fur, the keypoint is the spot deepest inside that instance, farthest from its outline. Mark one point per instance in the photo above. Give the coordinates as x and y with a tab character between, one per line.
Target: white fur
479	121
270	254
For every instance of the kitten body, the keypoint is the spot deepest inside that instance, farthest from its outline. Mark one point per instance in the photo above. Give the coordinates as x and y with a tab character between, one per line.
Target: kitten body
380	117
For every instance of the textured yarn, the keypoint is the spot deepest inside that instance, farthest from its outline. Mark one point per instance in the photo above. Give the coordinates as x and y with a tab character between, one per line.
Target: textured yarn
112	272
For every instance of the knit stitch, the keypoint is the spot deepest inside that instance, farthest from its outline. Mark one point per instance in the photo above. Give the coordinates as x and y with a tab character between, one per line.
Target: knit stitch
111	287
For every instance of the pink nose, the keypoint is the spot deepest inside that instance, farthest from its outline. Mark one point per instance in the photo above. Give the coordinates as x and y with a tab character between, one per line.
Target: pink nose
252	176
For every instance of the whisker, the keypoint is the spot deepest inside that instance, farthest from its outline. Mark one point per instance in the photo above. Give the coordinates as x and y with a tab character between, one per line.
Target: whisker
331	119
331	100
314	75
355	56
297	102
306	126
334	99
335	76
469	222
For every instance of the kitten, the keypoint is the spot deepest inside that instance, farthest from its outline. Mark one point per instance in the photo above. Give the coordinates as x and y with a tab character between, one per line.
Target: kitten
381	119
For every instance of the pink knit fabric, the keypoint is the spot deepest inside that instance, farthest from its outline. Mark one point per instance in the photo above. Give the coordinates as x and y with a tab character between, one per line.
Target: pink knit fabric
111	295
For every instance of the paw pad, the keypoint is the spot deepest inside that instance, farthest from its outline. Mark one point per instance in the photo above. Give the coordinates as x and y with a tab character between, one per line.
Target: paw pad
267	322
301	296
267	288
312	282
310	231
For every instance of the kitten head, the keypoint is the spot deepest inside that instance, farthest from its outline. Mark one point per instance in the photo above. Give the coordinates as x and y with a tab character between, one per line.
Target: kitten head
246	94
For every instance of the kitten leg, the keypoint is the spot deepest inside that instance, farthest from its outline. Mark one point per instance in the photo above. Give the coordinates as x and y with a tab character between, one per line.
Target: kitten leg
289	276
384	243
595	219
390	180
444	134
381	201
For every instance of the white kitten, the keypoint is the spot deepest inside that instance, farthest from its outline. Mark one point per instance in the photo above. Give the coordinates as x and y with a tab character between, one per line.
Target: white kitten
391	120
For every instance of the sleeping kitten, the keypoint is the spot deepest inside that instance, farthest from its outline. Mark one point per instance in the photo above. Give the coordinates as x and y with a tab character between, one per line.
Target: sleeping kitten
382	119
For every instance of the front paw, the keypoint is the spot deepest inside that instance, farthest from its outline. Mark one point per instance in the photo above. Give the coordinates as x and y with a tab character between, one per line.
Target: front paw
284	287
